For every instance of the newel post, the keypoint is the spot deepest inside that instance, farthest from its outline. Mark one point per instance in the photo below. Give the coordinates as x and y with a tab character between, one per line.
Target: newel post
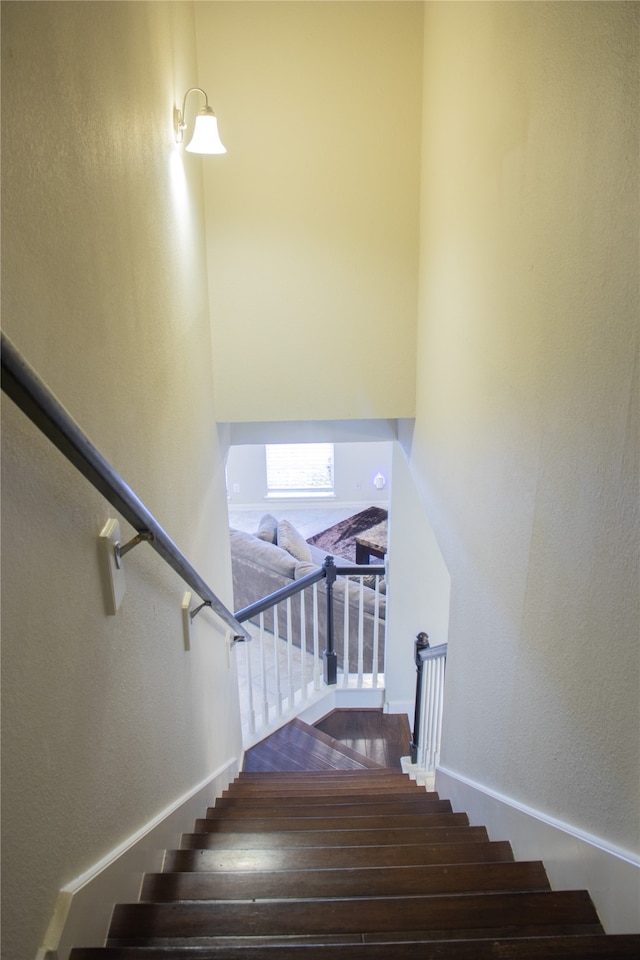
330	656
421	645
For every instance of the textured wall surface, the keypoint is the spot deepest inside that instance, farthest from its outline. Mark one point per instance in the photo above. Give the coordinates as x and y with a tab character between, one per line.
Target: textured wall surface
312	216
419	587
106	720
526	440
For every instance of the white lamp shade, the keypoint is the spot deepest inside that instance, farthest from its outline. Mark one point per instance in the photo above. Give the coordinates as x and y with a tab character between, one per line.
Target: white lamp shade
206	138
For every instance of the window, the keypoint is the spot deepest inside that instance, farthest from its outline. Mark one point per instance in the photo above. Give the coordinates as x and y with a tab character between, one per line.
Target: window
299	469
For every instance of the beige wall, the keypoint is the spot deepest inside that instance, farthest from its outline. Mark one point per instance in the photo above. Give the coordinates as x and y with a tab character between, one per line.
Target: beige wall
419	586
312	216
525	447
106	720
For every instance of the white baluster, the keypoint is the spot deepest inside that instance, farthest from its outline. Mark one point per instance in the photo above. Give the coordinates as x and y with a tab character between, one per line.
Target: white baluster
303	648
441	671
361	632
345	634
290	656
263	664
433	694
317	664
376	628
276	652
249	680
422	741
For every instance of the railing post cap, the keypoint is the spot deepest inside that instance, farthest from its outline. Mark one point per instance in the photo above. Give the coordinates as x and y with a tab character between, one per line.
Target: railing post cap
329	568
422	640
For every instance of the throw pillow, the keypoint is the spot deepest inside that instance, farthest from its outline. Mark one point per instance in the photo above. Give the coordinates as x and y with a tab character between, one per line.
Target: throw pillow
268	529
292	541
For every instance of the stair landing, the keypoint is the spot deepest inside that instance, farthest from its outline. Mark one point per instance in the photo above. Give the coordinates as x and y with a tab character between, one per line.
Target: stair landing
343	740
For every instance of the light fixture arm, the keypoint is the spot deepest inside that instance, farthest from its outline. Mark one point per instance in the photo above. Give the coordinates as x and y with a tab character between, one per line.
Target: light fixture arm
179	115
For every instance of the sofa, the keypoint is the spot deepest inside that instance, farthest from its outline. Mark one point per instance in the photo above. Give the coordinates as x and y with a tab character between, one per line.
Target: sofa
277	555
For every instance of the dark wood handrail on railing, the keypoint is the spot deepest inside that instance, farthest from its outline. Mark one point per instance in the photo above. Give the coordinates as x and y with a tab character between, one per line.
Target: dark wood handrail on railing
33	397
328	571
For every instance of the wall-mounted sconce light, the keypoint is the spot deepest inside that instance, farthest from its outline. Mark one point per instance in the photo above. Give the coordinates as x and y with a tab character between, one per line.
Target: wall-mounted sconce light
379	481
206	138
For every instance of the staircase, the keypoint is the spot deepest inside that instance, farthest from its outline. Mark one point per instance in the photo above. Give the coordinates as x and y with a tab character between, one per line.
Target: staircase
346	859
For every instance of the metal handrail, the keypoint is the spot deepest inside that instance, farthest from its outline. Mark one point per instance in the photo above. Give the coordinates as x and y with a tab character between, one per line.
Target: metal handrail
21	383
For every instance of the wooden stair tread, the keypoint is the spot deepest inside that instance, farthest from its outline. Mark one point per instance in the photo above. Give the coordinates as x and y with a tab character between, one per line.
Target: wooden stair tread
380	915
292	788
263	824
589	947
292	858
332	836
253	801
346	882
355	774
369	808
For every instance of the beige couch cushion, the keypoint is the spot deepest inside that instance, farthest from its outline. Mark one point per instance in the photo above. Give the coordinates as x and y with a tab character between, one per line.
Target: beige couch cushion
263	554
268	529
292	541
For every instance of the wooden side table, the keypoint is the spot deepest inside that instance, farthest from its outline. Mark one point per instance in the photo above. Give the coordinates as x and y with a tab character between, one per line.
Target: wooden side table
372	543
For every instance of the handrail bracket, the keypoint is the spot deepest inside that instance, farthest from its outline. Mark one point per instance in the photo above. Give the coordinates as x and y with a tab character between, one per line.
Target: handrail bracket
196	610
207	603
145	536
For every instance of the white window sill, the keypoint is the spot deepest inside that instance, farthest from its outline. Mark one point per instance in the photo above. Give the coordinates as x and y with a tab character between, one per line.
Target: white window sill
300	495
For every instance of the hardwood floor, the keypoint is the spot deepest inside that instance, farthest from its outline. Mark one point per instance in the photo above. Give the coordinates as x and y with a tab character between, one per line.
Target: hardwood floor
383	737
300	747
343	740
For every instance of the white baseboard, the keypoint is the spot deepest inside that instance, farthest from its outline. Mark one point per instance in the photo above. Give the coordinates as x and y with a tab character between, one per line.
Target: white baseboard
574	860
83	908
343	698
401	706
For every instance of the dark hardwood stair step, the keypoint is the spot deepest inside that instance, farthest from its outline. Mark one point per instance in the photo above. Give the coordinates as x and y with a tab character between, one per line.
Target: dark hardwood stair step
456	916
305	788
368	773
346	882
590	947
229	801
332	837
301	858
299	746
370	808
288	823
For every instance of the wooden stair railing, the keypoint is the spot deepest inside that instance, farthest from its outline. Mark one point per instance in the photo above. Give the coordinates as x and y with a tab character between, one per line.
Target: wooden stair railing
355	863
